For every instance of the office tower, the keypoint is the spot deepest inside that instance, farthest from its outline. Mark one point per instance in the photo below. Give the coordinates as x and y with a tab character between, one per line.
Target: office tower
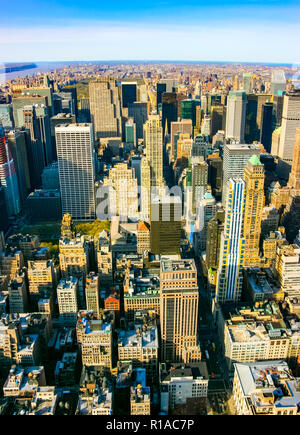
184	126
266	126
169	110
215	229
129	93
170	84
84	113
200	146
204	214
73	256
199	183
17	293
184	146
179	296
67	297
6	116
50	177
17	146
235	158
139	112
28	244
18	103
165	226
160	89
236	116
204	104
42	279
294	178
75	152
8	177
247	85
290	121
143	237
232	252
4	222
277	110
11	260
153	138
105	108
188	110
255	200
254	116
95	339
45	92
104	259
278	82
218	118
123	199
142	93
59	119
65	101
130	132
206	126
215	175
92	294
136	166
145	196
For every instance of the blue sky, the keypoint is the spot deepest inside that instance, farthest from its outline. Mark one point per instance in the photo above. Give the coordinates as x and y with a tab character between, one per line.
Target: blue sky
246	30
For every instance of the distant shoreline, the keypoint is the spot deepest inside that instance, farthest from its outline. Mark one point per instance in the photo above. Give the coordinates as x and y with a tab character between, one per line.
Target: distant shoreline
9	68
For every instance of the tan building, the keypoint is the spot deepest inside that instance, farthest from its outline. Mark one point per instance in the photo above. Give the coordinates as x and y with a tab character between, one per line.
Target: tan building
73	256
183	126
145	189
254	178
140	346
17	293
265	388
104	259
92	294
179	297
28	244
42	278
11	260
67	296
123	199
288	269
153	140
105	108
143	238
140	400
95	339
44	402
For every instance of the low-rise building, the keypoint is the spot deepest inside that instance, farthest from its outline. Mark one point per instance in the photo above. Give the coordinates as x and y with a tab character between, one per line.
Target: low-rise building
265	388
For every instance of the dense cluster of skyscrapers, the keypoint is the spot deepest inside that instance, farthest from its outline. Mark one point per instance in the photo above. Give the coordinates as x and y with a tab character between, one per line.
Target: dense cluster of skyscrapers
175	268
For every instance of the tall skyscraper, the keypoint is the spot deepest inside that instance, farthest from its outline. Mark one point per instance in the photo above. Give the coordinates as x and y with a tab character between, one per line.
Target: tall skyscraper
188	110
169	110
139	112
105	108
179	297
236	116
255	201
129	93
153	139
165	227
8	177
278	82
235	158
266	125
75	152
294	179
247	85
290	121
232	252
